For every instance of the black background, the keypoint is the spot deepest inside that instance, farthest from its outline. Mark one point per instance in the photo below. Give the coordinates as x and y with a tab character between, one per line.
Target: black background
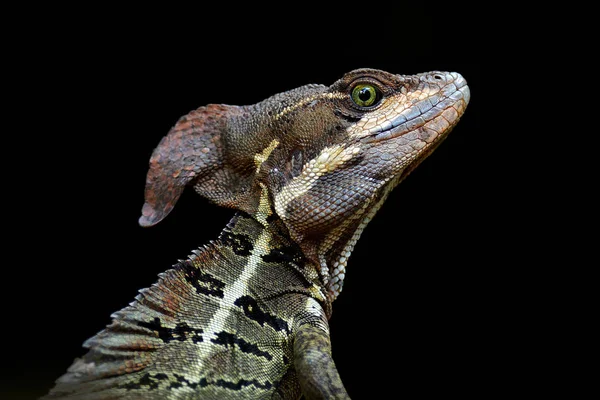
97	91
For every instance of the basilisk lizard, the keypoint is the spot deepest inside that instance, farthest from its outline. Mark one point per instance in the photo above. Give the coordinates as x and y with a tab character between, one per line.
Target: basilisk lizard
246	316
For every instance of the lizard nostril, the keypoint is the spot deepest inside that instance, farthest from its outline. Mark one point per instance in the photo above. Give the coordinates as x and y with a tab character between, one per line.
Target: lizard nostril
438	77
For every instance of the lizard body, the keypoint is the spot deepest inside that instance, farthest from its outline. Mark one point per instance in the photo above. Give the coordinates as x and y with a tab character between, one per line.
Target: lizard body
246	315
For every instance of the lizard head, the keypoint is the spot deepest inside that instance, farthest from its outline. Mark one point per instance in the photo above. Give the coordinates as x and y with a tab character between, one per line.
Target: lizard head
378	128
323	159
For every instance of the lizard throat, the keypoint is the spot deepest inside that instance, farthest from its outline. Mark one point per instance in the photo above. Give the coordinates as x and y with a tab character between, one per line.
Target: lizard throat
333	269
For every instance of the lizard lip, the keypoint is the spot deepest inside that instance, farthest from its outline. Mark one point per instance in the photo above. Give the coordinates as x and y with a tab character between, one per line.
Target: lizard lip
435	113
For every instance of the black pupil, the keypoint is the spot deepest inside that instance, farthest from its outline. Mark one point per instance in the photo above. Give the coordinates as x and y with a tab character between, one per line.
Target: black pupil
364	94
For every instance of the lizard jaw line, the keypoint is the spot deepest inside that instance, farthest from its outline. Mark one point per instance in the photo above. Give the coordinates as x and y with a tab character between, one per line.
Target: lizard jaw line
409	120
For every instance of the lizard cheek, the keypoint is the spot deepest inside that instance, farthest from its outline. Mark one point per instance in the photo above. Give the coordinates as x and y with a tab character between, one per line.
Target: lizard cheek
329	202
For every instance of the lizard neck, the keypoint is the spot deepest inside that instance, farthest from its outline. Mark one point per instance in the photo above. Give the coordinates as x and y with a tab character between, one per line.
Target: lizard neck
265	241
335	248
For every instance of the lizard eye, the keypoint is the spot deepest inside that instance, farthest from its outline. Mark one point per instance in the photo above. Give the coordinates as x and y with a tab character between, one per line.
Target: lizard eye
366	95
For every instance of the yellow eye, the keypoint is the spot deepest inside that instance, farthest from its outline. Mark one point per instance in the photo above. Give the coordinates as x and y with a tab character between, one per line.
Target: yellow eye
365	95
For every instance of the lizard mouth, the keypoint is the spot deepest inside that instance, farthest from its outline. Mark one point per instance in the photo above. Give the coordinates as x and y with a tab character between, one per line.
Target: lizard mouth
427	119
421	128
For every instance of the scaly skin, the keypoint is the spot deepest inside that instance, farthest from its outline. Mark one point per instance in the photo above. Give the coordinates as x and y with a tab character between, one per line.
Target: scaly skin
246	315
